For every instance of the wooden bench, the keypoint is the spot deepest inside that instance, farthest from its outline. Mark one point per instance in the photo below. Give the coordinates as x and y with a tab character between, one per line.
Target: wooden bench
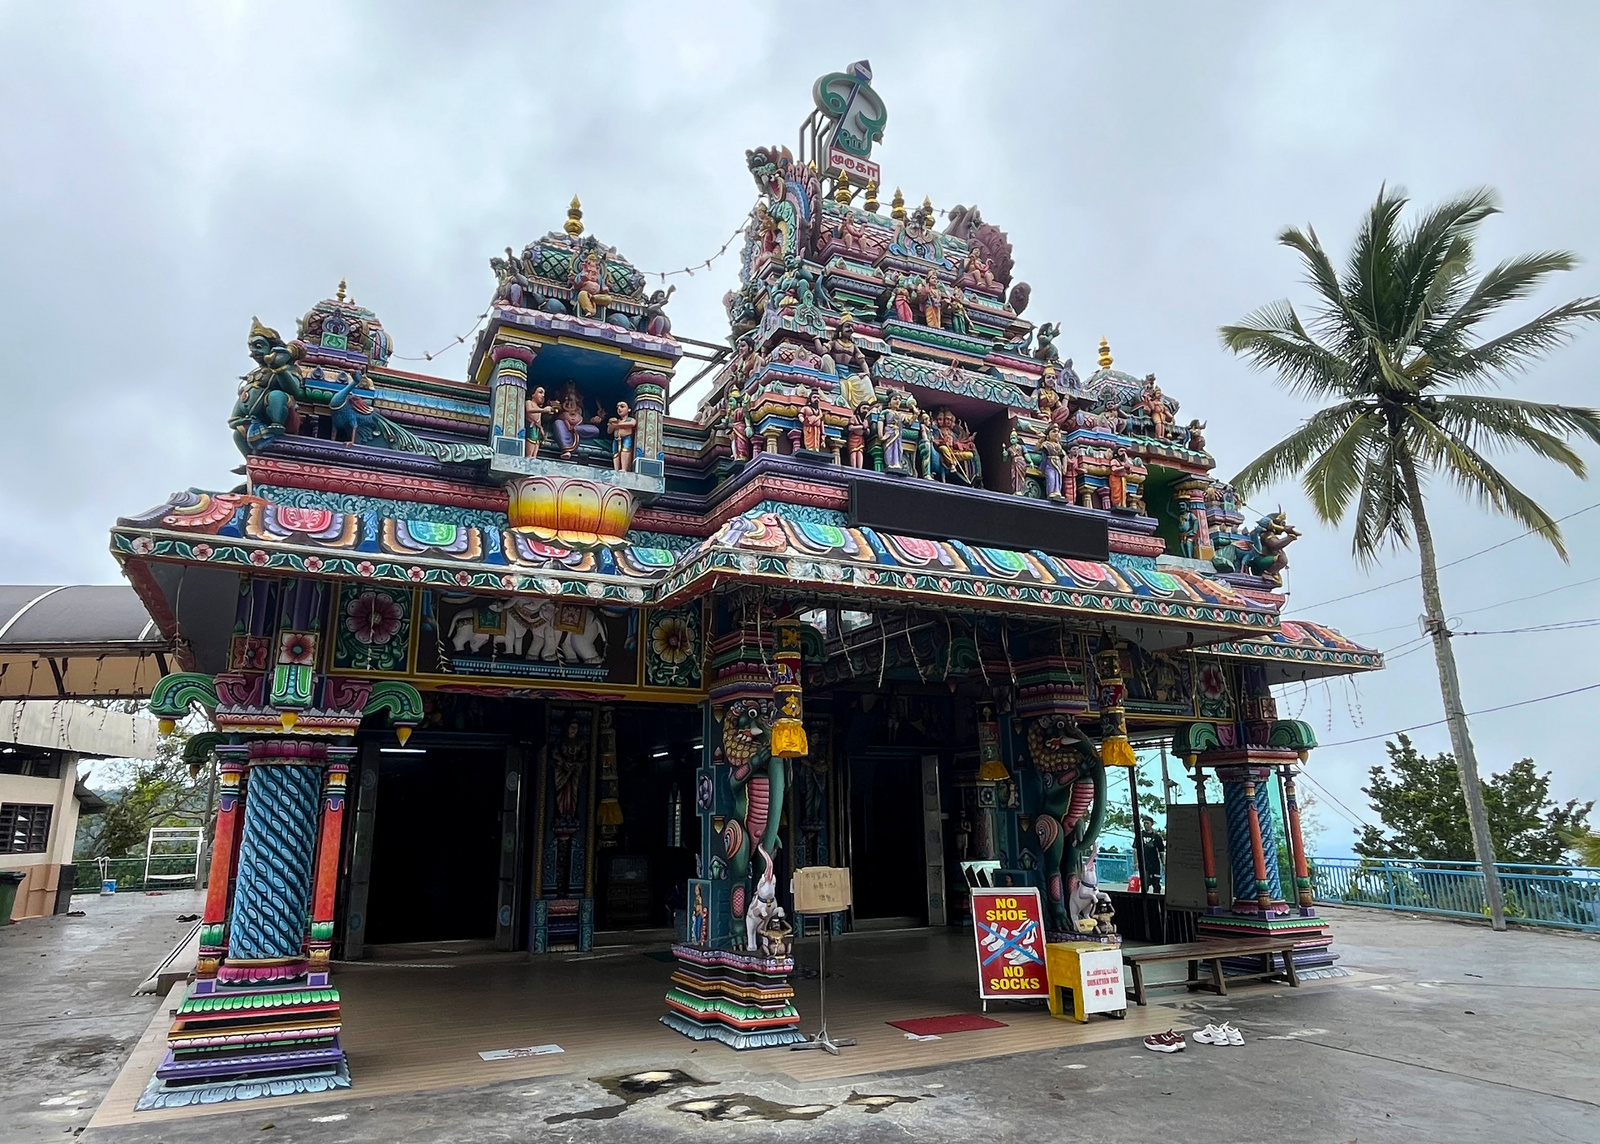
1212	953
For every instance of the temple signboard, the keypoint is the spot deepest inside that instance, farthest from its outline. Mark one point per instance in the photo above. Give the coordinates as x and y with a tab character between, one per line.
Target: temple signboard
1008	926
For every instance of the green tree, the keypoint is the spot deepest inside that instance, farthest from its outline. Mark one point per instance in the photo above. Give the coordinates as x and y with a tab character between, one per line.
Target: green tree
1419	800
1397	352
141	794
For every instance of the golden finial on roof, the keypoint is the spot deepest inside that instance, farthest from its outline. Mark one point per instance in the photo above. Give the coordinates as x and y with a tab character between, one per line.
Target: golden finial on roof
574	225
339	296
1105	354
927	206
897	205
841	191
871	202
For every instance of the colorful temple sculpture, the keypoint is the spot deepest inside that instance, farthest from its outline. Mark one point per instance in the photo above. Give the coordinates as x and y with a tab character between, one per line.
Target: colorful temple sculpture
894	598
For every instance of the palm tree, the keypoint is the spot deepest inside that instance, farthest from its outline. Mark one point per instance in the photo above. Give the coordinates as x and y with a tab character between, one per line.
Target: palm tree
1396	349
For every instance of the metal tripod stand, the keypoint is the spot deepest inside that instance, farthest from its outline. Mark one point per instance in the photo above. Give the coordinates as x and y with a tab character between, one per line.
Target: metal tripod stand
821	1039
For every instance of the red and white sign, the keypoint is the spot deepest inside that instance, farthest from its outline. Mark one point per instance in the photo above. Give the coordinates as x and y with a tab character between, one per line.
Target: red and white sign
1008	925
1100	980
862	171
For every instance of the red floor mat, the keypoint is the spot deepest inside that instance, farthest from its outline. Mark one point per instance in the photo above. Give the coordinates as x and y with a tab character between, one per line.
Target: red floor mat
955	1023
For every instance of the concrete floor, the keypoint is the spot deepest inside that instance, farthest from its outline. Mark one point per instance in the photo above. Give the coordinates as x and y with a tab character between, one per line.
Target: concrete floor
1466	1035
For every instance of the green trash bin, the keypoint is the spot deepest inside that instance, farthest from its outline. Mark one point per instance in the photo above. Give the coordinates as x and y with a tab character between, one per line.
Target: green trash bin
9	881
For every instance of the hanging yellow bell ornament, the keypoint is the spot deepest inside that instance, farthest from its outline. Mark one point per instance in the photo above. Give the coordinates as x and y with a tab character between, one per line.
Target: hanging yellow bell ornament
1115	750
789	731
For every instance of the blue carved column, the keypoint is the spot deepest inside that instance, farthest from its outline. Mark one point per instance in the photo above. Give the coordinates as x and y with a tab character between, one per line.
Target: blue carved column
1252	840
272	893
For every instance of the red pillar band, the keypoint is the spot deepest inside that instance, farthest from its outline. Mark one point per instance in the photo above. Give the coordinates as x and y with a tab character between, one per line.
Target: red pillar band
1257	853
1208	856
327	869
1297	846
224	861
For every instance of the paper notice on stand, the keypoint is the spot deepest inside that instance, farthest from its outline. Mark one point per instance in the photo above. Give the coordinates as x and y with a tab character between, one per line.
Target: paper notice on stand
821	889
513	1054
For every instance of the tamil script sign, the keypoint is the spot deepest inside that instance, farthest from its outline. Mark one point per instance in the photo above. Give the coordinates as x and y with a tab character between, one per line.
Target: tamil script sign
1008	925
862	171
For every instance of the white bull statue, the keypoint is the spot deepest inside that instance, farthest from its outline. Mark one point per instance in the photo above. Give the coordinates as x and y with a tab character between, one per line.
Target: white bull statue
562	633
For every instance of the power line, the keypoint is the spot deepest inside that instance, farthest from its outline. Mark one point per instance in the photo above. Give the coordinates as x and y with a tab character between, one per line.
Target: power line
1560	626
1452	564
1491	607
1469	714
1349	814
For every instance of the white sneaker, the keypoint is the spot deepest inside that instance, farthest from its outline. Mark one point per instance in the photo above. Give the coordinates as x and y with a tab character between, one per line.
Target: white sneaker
1232	1036
1212	1035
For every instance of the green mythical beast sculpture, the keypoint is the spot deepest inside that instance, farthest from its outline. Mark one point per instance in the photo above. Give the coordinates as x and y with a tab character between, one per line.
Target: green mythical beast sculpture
760	781
795	197
266	407
1069	823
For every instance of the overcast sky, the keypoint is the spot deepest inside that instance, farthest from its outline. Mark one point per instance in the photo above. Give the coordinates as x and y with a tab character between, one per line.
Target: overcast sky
168	171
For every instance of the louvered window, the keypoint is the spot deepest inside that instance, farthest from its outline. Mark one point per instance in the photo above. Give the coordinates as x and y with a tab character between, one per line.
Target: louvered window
24	828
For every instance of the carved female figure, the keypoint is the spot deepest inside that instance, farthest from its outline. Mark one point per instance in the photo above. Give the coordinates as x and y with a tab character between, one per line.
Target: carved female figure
856	436
1052	462
738	425
1017	455
891	433
901	303
931	295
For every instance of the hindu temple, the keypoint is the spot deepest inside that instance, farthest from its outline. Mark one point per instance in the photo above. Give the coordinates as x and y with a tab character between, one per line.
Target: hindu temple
897	593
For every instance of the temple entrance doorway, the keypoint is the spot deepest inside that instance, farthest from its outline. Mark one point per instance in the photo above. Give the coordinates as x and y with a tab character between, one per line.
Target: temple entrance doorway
645	859
436	845
886	824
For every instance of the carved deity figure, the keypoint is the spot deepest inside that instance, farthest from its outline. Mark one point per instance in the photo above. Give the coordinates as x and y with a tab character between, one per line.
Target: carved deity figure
266	406
976	268
1114	493
570	427
1194	436
537	408
1047	398
855	436
622	428
931	295
955	450
842	357
1052	463
760	781
738	421
1046	349
1017	458
588	276
655	313
1262	553
1188	532
891	426
851	232
900	301
956	312
1155	409
1073	813
813	429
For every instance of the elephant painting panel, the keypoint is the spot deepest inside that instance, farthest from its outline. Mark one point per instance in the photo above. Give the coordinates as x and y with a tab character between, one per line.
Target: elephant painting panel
528	637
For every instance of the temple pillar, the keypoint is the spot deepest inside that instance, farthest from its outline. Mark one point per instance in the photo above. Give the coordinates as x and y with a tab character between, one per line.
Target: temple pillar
649	408
266	1018
1252	841
272	891
1208	853
732	982
508	396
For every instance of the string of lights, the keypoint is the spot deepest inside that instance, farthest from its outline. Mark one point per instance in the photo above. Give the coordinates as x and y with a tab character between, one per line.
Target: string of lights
1469	714
662	275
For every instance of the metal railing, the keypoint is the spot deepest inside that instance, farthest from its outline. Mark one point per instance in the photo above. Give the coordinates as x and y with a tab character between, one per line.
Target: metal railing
1113	868
136	875
1567	897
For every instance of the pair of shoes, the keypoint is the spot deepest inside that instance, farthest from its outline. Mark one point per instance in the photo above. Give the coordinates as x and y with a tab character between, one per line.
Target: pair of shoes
1168	1042
1224	1034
